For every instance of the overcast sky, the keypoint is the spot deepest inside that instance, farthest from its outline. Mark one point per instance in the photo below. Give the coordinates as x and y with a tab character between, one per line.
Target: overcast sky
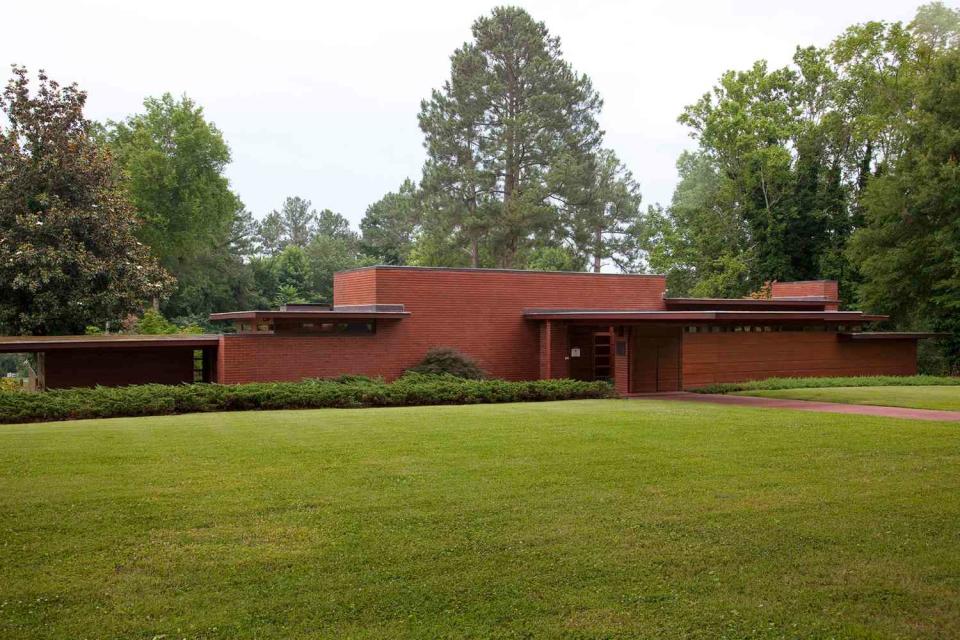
320	99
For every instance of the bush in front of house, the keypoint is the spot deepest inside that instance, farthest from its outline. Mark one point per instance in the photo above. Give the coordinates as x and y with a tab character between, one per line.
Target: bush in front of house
344	392
772	384
444	360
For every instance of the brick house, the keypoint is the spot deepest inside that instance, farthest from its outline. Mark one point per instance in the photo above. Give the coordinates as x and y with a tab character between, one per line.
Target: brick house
519	325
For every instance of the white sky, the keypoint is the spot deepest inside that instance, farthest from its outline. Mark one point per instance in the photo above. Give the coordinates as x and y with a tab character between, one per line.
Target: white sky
320	99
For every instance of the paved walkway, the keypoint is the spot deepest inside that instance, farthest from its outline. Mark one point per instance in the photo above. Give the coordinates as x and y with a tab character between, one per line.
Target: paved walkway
807	405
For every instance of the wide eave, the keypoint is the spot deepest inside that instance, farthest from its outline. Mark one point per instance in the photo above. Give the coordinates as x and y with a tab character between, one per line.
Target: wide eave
601	315
812	303
332	315
36	344
890	335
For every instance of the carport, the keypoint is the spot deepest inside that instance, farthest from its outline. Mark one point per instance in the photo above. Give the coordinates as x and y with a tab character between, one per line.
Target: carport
117	360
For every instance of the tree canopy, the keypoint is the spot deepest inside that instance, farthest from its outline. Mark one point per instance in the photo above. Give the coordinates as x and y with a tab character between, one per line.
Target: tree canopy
174	161
512	110
69	254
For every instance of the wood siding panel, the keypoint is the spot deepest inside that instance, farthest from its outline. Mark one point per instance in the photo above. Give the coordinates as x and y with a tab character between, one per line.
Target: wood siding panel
656	355
737	357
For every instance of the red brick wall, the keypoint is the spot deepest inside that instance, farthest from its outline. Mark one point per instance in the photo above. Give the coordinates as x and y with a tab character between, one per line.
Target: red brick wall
355	287
477	312
819	288
271	358
735	357
116	367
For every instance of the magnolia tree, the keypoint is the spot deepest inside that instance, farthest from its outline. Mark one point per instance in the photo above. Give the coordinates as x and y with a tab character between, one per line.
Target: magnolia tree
69	256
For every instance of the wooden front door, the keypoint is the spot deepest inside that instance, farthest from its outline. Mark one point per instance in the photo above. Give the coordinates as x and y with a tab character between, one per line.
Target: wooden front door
602	356
655	359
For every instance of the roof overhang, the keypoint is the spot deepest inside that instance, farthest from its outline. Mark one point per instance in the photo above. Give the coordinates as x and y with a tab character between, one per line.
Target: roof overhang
698	316
39	344
890	335
812	303
332	315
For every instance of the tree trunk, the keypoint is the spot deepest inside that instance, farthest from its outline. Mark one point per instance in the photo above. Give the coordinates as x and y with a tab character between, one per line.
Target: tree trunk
597	249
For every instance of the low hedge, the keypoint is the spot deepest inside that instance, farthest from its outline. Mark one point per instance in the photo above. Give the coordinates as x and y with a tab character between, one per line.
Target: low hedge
157	399
772	384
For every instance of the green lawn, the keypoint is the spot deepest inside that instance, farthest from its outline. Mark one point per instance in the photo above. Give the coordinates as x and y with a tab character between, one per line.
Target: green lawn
934	397
580	519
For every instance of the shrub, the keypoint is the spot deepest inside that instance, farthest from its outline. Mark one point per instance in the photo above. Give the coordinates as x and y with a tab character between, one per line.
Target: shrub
771	384
343	392
444	360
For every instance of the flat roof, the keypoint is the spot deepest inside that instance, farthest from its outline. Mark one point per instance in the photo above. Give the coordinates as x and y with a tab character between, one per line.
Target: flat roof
891	335
331	314
30	344
799	302
404	267
697	316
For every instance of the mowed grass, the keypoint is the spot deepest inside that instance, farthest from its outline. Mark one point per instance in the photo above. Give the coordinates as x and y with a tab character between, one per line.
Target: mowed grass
930	397
587	519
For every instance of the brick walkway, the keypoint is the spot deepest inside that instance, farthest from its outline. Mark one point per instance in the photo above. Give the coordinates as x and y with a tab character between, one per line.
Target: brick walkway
808	405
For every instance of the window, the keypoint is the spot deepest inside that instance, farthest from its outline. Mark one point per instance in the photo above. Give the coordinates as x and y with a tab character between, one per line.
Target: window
313	327
198	365
766	328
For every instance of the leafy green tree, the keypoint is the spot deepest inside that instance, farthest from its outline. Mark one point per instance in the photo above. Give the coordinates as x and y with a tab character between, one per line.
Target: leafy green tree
788	155
334	225
701	244
305	273
511	109
389	226
909	251
555	259
270	234
601	206
293	272
69	256
298	221
244	234
153	323
289	294
174	161
294	224
335	247
744	126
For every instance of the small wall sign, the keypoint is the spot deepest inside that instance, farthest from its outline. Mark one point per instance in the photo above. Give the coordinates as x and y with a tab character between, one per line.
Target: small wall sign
575	352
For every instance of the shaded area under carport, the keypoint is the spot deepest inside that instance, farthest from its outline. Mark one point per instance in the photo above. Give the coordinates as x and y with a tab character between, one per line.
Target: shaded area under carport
118	360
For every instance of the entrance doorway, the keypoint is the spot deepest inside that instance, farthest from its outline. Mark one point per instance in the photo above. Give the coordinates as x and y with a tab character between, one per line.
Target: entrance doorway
655	359
591	352
602	356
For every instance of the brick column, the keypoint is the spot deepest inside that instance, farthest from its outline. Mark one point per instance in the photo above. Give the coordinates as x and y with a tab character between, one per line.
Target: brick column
554	362
560	367
546	349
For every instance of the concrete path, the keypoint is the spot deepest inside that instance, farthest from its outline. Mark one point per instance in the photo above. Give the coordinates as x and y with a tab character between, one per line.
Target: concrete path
807	405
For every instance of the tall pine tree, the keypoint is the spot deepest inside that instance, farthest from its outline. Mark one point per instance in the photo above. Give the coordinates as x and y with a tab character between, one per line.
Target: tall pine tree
512	109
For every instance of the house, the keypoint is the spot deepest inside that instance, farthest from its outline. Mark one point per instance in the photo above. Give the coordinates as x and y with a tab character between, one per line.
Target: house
519	325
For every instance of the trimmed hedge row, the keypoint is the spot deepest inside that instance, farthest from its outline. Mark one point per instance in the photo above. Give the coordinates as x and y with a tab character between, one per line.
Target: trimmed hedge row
348	391
771	384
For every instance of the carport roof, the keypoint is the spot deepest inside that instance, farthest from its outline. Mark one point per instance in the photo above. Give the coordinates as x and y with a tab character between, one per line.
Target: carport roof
31	344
